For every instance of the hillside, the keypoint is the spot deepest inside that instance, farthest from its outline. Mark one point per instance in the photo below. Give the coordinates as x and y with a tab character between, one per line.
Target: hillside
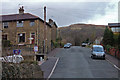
77	33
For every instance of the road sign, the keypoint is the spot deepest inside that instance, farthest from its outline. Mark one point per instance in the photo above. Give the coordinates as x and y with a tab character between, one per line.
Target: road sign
36	48
17	51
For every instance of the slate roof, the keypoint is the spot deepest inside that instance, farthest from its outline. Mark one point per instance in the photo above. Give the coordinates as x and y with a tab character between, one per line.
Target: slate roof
15	17
18	17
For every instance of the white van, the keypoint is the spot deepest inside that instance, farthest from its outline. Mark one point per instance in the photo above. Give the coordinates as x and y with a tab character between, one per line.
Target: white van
98	52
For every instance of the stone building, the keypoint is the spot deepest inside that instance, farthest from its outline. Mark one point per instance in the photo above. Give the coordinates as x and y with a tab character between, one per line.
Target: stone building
25	29
115	27
53	32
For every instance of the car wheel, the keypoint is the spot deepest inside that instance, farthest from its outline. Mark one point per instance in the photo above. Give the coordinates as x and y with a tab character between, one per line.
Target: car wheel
103	58
92	57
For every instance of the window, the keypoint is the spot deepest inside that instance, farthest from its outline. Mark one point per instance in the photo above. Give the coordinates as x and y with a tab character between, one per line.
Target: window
32	23
21	37
20	23
5	25
32	35
115	29
4	37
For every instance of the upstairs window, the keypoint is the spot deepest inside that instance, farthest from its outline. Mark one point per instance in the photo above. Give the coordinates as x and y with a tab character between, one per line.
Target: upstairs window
5	25
115	29
4	37
21	37
20	23
32	23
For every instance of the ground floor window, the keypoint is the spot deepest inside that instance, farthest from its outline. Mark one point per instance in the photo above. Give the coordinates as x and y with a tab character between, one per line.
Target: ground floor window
4	37
21	37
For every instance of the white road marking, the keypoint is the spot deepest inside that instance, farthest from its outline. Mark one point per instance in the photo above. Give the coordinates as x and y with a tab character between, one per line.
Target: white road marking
113	64
53	69
116	67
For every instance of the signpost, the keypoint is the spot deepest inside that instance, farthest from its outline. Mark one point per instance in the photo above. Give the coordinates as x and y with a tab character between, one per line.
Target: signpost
35	49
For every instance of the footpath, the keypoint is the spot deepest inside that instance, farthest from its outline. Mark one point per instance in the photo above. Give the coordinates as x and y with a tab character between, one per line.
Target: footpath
113	60
47	66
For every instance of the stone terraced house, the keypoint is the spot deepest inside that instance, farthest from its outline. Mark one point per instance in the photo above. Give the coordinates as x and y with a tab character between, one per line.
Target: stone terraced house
26	29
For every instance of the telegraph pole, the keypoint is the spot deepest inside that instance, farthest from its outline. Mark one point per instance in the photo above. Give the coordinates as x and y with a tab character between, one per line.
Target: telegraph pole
45	32
0	51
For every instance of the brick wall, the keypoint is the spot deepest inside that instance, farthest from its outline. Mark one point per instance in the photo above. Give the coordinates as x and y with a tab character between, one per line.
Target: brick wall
114	52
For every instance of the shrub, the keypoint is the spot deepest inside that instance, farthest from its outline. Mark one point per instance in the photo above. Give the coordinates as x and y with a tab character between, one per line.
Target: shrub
29	62
55	44
107	47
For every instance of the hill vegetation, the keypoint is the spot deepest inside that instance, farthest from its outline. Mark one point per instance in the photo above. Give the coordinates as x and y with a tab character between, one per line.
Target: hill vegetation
77	33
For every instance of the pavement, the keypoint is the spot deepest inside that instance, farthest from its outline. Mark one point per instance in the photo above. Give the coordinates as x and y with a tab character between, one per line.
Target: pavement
48	65
113	60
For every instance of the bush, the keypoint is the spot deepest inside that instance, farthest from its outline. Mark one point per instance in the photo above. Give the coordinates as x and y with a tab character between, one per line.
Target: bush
107	47
55	44
62	44
29	62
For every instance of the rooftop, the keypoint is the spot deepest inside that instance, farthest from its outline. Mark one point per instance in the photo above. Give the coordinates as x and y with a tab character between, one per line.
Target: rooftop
114	24
15	17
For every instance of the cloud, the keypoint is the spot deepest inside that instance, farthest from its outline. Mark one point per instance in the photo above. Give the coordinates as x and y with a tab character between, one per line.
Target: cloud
58	0
66	13
110	16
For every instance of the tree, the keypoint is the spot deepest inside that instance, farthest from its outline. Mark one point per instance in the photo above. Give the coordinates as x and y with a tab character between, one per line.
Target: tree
108	37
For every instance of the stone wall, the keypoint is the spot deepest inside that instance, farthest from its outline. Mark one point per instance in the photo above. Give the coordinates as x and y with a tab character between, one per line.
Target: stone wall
23	70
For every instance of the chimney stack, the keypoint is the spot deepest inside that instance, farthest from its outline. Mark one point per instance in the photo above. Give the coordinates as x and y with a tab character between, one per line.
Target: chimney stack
45	13
21	10
50	21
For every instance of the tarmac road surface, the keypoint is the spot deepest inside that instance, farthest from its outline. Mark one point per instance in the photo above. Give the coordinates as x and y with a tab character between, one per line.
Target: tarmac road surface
75	62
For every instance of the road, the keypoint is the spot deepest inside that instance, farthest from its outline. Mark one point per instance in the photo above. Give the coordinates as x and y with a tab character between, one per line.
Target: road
75	62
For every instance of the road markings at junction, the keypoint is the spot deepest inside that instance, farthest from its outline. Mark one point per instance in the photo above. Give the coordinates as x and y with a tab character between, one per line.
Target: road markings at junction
53	69
113	64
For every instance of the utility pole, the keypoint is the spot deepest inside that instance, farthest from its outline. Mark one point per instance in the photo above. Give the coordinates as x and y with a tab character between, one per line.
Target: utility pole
0	52
45	32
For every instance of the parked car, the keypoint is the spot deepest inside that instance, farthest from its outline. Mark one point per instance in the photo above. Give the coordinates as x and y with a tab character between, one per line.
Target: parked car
98	52
67	46
84	44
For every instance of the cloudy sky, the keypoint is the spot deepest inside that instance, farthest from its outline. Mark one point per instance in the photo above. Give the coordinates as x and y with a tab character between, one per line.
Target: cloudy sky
66	12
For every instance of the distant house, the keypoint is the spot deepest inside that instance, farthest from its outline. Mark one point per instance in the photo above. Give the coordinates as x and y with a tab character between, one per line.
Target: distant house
115	27
25	29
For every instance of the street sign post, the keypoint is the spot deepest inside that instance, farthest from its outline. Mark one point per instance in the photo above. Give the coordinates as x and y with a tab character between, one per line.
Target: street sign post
35	48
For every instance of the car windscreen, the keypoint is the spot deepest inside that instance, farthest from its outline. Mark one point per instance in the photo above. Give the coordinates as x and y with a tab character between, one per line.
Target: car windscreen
98	49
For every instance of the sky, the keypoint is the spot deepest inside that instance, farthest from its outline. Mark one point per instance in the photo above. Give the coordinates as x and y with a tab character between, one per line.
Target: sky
67	12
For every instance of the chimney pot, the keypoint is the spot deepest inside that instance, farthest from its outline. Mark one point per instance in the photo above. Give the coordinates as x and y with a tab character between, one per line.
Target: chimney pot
21	10
50	20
